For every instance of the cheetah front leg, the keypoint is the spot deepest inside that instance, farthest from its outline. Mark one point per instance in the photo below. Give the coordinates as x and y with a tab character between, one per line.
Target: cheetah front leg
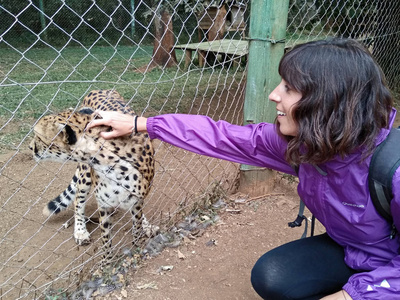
81	234
105	227
141	227
137	219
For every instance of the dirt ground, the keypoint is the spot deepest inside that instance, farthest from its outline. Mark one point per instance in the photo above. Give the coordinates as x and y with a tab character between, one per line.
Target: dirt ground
213	265
217	265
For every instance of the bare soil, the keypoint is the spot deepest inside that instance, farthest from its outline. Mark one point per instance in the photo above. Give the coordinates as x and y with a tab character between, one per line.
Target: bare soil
218	264
215	264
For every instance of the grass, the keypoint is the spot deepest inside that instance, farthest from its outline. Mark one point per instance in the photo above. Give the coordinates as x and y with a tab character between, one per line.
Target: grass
47	79
37	81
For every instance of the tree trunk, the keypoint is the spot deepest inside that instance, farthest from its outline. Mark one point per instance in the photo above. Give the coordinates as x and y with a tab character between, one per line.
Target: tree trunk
217	29
163	51
215	32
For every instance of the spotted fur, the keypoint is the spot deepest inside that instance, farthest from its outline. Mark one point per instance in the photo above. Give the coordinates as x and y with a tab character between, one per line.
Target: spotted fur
119	170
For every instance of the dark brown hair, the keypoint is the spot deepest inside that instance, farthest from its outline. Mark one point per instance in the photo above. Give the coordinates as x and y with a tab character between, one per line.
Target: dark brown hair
345	100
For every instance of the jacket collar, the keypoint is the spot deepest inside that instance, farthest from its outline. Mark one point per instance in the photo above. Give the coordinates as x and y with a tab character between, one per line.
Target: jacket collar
385	132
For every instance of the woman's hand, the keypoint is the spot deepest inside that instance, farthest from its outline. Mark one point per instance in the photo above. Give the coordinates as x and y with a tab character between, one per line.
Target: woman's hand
121	124
341	295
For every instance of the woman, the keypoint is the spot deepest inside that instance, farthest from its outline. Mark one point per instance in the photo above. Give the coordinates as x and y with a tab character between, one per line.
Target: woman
333	109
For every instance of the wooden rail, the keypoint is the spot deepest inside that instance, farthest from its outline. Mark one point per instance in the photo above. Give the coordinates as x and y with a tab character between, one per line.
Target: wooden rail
236	48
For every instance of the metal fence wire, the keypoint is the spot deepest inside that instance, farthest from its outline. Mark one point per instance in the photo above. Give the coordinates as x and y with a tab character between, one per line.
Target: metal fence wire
179	56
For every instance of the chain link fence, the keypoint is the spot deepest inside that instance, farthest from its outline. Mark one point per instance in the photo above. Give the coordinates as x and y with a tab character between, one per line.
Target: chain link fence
177	56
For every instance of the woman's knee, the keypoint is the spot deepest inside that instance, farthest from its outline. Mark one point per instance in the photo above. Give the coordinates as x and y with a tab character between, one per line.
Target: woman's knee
286	272
267	278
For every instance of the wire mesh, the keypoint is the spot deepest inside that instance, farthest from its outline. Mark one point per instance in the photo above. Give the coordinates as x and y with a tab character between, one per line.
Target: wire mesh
152	52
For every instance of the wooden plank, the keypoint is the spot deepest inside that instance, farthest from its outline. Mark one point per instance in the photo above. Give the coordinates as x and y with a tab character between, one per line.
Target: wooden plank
234	47
239	47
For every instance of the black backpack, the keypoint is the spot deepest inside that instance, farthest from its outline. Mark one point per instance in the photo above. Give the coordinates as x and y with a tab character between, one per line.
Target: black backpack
384	163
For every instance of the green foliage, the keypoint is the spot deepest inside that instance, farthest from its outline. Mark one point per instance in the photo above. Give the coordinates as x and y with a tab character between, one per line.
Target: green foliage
348	18
86	23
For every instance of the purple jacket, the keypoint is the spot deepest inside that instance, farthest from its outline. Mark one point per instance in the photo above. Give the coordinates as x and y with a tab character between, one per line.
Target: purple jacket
337	194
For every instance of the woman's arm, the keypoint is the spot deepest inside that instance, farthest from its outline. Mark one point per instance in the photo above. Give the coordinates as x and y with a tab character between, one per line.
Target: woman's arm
255	144
252	144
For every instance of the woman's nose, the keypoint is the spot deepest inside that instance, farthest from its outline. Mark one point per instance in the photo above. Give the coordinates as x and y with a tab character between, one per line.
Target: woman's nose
274	96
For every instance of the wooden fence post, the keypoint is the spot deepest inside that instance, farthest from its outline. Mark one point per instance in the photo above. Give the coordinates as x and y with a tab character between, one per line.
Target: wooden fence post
268	21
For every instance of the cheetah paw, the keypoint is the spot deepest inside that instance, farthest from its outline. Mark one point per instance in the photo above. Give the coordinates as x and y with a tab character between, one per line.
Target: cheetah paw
82	238
151	230
148	229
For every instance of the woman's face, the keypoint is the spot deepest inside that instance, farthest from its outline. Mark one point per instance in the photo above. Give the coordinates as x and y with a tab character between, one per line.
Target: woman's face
285	97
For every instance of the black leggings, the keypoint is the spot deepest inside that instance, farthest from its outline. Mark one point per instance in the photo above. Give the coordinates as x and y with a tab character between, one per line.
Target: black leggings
308	268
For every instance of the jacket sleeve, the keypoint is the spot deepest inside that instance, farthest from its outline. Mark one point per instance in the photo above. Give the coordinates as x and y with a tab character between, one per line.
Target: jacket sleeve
380	284
254	144
383	282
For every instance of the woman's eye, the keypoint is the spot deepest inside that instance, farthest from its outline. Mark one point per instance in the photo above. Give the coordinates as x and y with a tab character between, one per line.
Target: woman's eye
287	88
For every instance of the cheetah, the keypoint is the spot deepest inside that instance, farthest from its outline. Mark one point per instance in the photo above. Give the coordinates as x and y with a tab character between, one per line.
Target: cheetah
119	170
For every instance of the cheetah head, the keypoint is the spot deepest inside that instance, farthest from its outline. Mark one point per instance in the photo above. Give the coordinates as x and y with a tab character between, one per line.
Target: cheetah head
62	137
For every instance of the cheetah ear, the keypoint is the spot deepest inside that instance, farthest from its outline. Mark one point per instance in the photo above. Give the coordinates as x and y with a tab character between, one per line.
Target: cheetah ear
86	110
67	134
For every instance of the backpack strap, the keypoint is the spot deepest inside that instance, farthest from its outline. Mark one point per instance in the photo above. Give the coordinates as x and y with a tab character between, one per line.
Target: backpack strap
384	163
300	216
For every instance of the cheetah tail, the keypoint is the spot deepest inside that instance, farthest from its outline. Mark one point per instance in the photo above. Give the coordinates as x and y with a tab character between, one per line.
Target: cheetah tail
62	201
